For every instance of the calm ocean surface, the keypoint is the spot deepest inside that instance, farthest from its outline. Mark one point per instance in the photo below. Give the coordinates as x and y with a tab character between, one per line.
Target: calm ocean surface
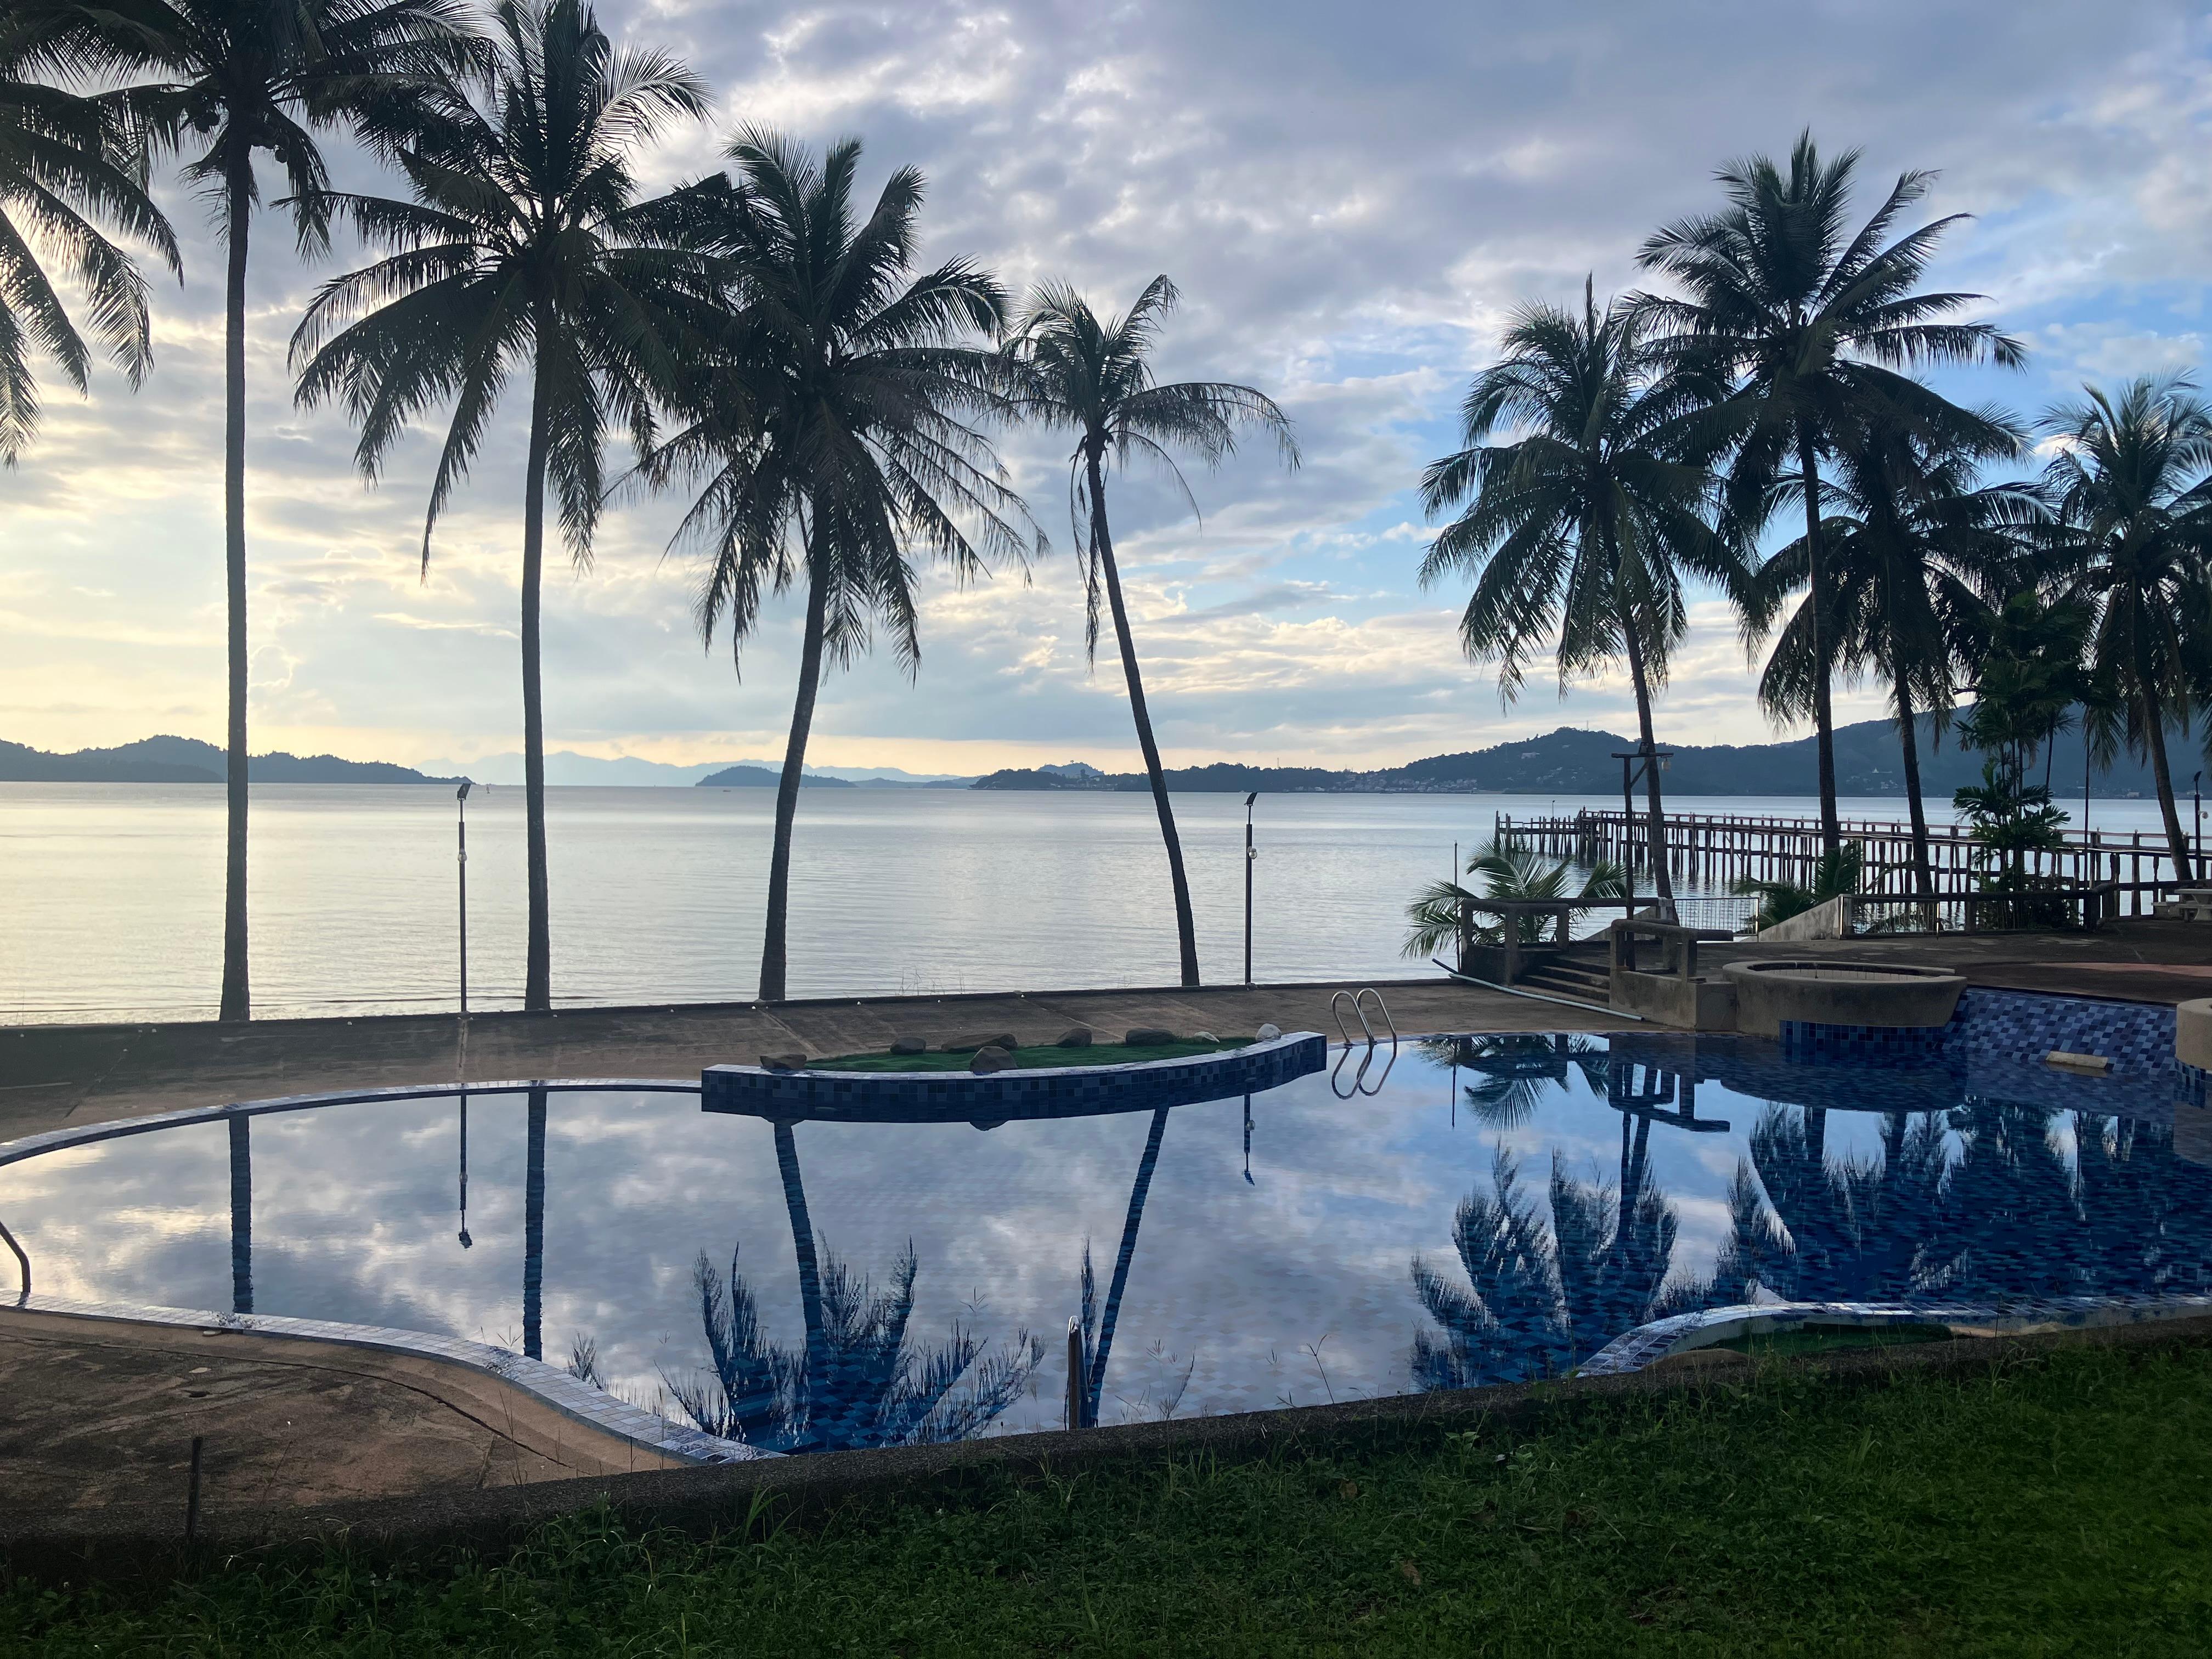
111	895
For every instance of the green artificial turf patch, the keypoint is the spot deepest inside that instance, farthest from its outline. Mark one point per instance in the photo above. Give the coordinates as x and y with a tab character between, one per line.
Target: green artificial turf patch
2054	1505
1099	1053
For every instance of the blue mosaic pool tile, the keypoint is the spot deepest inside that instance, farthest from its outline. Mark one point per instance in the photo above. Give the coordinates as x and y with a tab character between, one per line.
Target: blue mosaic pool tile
2137	1037
1048	1092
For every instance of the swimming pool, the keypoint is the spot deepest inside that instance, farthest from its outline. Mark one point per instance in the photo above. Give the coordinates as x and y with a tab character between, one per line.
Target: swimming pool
1496	1208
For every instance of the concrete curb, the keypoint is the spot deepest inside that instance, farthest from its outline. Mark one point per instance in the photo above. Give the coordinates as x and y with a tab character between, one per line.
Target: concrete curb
706	1501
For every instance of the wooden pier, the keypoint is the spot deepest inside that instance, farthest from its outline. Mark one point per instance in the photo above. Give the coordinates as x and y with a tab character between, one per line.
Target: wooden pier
1714	850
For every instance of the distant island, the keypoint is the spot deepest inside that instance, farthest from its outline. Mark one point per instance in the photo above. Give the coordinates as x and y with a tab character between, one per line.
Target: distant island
760	777
1567	761
1572	761
188	760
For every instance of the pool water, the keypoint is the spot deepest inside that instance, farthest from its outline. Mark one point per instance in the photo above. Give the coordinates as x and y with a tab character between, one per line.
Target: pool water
1496	1209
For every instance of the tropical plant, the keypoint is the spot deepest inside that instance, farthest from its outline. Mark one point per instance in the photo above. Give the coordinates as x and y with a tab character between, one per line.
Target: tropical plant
1802	328
859	1381
1508	871
1535	1303
1808	1227
527	247
1515	1072
1917	549
1833	876
68	166
1098	1321
1584	521
1074	371
232	79
832	416
2130	488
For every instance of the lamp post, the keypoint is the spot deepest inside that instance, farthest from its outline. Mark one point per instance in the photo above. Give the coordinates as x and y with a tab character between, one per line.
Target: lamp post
1249	856
2197	846
461	829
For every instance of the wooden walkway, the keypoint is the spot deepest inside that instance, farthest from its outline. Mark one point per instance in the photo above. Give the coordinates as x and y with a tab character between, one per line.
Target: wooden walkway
1719	848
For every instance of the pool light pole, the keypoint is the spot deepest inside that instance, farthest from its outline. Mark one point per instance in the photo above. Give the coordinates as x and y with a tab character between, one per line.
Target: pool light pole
461	849
1251	855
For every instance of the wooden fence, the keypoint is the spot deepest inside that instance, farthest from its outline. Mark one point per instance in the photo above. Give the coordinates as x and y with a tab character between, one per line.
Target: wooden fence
1717	849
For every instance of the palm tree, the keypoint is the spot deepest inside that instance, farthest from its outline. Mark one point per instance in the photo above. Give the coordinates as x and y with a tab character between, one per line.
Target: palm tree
1581	526
1508	871
1917	551
2133	503
526	245
231	78
1078	372
832	417
858	1381
1803	327
67	166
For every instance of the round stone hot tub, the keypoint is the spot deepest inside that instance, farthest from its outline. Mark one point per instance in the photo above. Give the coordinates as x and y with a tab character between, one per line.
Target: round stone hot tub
1882	995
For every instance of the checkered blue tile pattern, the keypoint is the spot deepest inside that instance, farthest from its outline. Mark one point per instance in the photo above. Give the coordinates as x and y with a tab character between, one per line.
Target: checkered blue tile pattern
1047	1091
2012	1026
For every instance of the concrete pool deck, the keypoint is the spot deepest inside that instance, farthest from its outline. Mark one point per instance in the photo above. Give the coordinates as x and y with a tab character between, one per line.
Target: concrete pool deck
102	1415
58	1076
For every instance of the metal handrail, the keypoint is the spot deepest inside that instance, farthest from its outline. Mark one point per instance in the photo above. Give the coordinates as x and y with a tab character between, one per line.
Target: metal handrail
1381	1008
21	1261
1344	1030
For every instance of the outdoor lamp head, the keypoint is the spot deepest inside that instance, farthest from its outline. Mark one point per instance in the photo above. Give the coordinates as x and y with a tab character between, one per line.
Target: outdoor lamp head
1249	798
462	794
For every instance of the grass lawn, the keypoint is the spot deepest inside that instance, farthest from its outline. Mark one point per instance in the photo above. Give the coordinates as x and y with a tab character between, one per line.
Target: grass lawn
1099	1053
2058	1506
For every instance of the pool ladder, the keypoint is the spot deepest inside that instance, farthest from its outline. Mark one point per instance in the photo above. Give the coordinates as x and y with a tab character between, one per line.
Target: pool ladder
1357	1002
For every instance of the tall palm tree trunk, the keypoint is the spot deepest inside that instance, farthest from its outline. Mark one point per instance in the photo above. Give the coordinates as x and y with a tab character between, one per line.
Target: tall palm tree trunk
809	1259
241	1215
1923	875
237	186
1824	719
774	952
533	1229
1123	1258
2154	736
1186	930
537	975
1655	822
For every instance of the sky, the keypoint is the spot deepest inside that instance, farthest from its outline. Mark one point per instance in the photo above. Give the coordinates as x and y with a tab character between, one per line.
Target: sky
1352	199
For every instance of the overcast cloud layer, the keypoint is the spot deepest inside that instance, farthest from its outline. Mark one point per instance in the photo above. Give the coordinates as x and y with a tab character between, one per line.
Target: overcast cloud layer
1352	199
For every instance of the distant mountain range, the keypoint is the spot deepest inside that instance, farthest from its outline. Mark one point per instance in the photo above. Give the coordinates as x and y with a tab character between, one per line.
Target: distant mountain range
1571	762
565	766
1567	761
187	760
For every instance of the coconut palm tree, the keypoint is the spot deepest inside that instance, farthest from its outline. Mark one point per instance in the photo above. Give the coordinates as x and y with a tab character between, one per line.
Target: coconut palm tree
1077	372
231	80
528	246
1581	526
858	1381
2130	488
831	416
1802	328
68	166
1508	871
1917	551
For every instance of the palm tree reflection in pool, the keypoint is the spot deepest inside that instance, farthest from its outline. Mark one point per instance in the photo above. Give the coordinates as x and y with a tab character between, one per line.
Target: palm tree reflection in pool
857	1382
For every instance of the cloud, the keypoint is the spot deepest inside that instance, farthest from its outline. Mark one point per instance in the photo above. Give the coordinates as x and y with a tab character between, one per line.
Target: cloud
1352	201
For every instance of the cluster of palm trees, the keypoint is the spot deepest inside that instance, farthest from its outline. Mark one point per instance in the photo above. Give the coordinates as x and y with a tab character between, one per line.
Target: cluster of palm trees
1977	1203
1614	454
760	336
